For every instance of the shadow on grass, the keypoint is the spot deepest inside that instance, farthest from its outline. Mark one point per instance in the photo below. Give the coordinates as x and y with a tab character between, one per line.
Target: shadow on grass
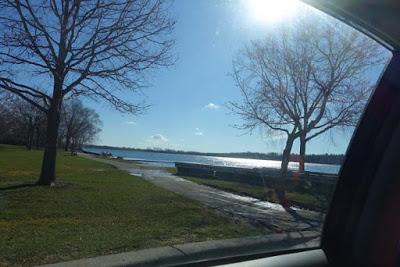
17	186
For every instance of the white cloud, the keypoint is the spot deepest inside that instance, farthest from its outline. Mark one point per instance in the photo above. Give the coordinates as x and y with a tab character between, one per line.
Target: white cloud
198	132
158	138
211	106
159	141
130	122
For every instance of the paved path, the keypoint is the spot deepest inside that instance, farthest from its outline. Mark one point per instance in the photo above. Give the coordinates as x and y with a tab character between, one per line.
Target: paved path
260	213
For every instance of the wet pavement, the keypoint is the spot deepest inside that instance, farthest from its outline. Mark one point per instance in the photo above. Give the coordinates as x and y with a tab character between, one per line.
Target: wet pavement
270	216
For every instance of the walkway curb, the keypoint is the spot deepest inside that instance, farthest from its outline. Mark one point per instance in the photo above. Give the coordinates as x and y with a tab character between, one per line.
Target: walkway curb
208	250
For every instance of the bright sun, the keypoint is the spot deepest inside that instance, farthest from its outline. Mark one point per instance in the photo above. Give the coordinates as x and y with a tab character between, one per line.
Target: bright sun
267	11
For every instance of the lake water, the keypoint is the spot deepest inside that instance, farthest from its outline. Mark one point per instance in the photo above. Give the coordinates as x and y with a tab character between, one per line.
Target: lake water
169	159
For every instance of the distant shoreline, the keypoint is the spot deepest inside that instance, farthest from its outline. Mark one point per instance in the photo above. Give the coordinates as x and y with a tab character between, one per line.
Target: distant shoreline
334	159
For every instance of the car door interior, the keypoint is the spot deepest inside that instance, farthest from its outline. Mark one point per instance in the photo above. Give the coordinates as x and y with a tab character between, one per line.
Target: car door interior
359	195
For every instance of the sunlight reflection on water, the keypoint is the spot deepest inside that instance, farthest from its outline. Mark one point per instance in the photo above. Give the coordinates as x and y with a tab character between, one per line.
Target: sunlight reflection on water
169	159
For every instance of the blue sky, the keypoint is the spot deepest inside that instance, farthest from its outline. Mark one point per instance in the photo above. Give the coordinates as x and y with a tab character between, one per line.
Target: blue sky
188	99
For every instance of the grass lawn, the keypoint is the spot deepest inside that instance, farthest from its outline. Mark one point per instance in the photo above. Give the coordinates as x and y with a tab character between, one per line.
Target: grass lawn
259	192
96	209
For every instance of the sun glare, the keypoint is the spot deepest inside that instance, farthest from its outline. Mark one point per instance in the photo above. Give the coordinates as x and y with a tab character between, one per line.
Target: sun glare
270	11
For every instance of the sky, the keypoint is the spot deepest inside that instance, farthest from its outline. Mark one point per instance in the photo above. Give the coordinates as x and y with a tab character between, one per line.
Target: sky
189	100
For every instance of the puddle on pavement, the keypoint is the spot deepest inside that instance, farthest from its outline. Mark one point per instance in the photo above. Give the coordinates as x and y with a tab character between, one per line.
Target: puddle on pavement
254	201
250	200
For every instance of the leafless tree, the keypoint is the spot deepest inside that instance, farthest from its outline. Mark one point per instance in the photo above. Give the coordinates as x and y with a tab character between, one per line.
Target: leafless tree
5	114
3	100
28	121
304	80
79	124
51	50
21	123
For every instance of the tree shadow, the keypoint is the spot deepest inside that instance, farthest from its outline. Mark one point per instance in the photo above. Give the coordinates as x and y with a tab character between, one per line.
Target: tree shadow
298	217
17	186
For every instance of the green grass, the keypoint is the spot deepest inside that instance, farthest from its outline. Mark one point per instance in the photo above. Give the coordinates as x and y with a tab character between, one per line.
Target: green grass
259	192
95	210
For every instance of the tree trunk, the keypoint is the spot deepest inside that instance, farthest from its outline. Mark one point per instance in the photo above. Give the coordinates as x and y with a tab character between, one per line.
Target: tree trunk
48	172
286	156
302	159
280	186
29	140
37	141
29	135
67	142
73	145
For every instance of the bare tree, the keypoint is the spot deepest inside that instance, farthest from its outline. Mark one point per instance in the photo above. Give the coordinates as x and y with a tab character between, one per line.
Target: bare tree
50	50
335	85
5	114
28	121
79	124
20	122
4	97
303	81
